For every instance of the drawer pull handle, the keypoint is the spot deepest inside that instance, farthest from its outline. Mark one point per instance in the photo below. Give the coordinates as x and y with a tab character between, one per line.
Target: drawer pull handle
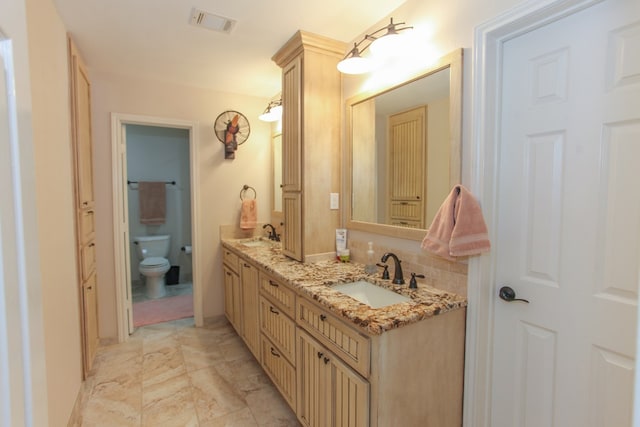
228	274
272	283
404	203
92	245
320	354
274	352
90	212
273	310
326	360
246	265
323	317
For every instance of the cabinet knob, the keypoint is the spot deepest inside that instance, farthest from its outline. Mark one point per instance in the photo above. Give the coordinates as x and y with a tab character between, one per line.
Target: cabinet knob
326	360
323	317
272	283
274	352
320	354
273	310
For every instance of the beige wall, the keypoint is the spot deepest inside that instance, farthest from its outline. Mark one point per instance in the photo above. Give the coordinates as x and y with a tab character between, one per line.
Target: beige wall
54	199
218	186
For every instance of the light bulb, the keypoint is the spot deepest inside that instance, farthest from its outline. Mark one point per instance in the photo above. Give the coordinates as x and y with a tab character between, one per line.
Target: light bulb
388	45
355	65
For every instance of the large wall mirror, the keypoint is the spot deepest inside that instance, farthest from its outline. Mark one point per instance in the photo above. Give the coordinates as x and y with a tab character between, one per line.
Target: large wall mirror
404	151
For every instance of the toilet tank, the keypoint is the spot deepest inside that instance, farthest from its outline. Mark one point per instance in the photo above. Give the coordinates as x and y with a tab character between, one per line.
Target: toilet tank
152	246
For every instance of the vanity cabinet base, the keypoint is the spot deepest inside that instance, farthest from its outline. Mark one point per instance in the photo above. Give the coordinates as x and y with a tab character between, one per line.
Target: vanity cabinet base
417	373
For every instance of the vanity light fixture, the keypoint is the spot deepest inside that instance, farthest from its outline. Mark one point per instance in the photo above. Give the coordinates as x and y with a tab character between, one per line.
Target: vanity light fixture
273	111
380	44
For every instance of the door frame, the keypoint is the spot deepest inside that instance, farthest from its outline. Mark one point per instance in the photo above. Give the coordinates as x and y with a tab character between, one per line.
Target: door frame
121	214
489	39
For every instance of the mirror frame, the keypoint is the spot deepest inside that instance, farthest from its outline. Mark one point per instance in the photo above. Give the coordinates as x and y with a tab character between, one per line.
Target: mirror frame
453	61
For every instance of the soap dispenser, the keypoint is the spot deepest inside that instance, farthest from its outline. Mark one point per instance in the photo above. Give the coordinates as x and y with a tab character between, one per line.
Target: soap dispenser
370	266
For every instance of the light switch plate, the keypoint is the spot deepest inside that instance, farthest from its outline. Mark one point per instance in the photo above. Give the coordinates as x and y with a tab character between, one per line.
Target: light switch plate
334	201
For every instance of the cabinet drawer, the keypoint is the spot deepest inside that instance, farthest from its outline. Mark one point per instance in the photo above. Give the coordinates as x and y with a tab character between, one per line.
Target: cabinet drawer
87	226
231	259
278	327
348	344
405	223
280	294
281	372
407	210
88	260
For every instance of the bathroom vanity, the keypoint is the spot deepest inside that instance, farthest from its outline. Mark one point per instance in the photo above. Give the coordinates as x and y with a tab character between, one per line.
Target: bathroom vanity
336	360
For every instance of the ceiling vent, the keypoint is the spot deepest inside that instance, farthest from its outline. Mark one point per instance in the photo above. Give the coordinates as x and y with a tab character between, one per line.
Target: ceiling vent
200	18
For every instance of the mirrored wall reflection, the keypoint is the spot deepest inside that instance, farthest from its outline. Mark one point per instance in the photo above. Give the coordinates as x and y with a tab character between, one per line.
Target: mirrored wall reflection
401	153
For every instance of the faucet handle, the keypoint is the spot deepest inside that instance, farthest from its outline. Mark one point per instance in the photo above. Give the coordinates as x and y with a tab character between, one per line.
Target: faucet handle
413	283
385	273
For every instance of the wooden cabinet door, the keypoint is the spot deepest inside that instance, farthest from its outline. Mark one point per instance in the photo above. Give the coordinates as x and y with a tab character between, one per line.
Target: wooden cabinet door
90	320
292	126
349	396
313	399
292	232
250	308
81	109
330	394
232	306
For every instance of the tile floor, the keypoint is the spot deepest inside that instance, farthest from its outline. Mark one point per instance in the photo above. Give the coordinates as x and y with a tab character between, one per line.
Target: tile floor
138	291
173	374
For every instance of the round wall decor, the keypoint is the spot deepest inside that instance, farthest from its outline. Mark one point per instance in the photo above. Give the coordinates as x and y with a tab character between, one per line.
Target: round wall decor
232	129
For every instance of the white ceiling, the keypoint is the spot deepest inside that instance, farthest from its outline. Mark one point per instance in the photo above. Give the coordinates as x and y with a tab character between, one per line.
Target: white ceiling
153	38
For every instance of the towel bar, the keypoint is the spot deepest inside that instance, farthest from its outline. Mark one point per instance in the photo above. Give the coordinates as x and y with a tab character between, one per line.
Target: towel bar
136	182
245	188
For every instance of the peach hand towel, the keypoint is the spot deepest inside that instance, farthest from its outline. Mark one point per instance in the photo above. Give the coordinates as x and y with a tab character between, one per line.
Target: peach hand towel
458	229
153	202
249	214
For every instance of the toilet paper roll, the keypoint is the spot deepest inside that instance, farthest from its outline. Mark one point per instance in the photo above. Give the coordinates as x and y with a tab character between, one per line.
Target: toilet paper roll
186	249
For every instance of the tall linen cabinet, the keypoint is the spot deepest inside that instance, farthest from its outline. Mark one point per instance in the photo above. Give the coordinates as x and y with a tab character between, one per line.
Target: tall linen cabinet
84	204
311	101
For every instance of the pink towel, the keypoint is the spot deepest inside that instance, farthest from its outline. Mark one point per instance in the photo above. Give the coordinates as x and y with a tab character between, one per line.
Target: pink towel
249	214
458	228
153	202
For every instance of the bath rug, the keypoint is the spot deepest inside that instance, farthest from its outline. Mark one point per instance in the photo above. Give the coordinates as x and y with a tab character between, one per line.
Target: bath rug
162	310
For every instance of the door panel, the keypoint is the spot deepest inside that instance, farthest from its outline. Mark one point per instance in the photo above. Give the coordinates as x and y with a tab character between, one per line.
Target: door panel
569	221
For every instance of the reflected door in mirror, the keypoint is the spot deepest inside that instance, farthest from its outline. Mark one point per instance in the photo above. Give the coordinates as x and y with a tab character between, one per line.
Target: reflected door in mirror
406	147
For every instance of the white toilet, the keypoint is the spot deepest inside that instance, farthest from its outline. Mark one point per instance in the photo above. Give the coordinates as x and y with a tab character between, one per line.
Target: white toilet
153	252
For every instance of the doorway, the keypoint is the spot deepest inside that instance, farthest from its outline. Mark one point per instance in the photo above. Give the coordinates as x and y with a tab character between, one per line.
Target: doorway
158	158
136	136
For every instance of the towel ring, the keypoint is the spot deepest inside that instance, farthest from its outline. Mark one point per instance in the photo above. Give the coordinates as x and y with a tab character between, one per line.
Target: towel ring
244	190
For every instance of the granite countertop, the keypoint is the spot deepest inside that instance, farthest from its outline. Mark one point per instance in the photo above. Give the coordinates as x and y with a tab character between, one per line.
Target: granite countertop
315	280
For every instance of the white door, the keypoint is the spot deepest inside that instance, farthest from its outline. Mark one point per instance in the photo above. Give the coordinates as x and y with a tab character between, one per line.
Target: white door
569	222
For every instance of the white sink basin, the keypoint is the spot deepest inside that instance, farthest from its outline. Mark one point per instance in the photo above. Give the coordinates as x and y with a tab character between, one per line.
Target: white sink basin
370	294
256	243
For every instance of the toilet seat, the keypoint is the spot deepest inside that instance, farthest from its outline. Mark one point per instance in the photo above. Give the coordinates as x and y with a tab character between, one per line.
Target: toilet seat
154	262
